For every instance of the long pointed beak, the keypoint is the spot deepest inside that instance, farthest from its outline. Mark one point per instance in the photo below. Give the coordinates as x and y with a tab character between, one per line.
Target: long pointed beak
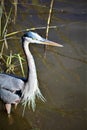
47	42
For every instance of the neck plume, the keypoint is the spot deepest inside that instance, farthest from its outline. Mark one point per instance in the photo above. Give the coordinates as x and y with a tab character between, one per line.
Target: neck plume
31	89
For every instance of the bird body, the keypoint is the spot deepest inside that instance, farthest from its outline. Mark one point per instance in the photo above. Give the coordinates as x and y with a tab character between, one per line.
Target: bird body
10	82
14	89
10	89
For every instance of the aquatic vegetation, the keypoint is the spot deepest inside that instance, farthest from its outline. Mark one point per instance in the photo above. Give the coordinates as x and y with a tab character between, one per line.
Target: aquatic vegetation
7	60
11	62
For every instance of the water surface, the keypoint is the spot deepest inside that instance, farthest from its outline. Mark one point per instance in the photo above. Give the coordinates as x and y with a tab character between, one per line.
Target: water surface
62	74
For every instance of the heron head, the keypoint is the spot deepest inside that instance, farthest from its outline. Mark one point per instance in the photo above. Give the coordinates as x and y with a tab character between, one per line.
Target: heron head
33	37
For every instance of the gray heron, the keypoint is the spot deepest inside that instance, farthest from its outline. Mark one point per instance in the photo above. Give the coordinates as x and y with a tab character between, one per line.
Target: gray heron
14	90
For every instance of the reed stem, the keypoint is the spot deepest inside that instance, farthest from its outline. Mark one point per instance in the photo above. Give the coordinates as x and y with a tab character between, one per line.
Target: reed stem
48	24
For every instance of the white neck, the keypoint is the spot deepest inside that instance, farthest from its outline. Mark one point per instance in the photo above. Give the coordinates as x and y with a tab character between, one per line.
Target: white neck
31	89
30	61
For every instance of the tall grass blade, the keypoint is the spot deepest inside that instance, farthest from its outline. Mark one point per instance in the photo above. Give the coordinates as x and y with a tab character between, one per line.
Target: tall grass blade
2	48
6	22
5	40
21	65
0	18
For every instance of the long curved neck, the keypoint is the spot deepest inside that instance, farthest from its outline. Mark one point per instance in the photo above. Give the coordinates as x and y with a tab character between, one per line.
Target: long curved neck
30	62
31	89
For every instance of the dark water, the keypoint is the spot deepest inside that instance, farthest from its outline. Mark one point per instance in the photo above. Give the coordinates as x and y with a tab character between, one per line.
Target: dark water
62	75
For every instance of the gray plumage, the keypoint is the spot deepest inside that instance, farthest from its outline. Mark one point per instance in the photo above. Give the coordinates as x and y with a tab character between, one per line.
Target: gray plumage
10	82
14	89
8	87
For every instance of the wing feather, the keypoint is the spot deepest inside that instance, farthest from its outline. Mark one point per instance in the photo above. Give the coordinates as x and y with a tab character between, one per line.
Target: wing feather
10	82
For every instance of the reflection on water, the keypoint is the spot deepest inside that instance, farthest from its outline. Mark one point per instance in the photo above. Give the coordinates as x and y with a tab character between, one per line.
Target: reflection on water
62	75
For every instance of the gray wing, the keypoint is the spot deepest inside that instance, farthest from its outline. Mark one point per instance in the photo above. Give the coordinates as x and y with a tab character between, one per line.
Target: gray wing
11	83
8	96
